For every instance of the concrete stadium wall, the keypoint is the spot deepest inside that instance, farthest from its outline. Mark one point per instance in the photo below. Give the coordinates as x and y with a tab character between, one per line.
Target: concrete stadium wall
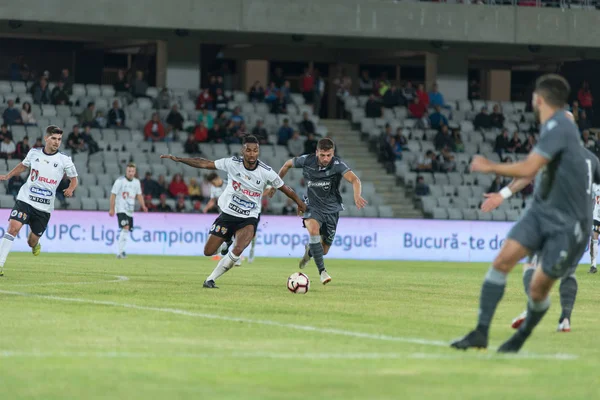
357	18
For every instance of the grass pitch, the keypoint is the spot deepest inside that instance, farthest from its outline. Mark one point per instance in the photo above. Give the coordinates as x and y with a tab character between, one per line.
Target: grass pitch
93	327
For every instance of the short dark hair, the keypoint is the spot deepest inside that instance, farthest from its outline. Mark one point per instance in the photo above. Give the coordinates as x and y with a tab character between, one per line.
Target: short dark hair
554	89
325	144
212	176
53	129
131	165
4	126
249	139
91	103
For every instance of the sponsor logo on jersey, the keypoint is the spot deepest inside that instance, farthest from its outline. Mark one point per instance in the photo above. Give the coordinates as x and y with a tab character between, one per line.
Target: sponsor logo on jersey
20	215
223	230
40	191
238	188
14	213
39	200
243	203
325	185
238	209
47	180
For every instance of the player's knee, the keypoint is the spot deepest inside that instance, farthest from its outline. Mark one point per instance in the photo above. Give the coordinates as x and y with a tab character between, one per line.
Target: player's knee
208	251
126	228
12	230
502	264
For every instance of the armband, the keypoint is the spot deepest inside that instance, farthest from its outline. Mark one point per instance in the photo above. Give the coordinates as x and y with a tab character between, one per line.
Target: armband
505	192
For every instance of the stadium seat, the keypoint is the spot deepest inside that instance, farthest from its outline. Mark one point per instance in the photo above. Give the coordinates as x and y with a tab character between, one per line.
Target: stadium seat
455	214
484	216
74	203
498	215
512	215
444	202
386	212
440	213
7	201
89	204
429	203
103	204
370	212
469	214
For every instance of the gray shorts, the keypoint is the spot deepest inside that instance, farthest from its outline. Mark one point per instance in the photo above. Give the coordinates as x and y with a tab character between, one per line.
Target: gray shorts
559	245
327	222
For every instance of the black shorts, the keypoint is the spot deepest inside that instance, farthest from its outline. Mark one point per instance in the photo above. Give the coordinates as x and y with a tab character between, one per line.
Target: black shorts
27	215
327	222
125	220
225	226
596	226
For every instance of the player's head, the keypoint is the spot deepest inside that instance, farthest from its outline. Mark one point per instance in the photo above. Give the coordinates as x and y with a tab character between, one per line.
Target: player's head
250	150
551	93
325	151
214	179
130	171
53	138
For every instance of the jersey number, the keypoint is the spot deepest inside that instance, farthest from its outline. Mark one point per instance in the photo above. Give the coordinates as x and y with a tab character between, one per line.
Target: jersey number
589	165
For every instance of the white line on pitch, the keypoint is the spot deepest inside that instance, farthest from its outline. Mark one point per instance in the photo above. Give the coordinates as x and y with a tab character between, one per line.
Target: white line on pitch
308	328
119	278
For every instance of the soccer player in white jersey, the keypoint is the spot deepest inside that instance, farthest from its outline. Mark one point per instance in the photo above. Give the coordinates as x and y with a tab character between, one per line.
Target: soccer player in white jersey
240	203
596	231
35	201
122	199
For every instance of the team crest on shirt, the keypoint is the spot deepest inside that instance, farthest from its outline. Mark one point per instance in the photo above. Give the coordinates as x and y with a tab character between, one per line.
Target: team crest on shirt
223	230
20	215
55	165
212	228
218	228
24	215
14	213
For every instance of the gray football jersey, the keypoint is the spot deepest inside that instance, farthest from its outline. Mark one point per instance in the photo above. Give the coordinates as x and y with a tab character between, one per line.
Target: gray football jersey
322	183
563	189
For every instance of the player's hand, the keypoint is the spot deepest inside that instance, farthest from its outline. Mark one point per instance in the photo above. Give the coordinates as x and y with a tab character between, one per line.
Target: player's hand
270	192
111	213
481	164
492	201
169	156
68	192
4	177
360	202
301	208
144	209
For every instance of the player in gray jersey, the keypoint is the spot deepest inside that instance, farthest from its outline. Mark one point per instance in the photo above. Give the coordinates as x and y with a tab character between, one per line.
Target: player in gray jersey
558	224
323	173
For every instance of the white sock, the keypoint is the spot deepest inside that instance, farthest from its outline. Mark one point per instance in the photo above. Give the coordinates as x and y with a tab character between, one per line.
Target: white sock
123	240
5	247
223	266
594	251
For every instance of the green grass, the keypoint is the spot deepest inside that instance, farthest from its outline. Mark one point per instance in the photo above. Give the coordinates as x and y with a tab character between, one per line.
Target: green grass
52	348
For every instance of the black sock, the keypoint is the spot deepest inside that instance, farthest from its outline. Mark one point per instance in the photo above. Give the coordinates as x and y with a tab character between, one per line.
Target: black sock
568	293
535	313
316	248
492	291
309	253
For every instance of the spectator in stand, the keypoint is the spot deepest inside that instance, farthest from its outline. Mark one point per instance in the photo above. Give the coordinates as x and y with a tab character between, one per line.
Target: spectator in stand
75	141
279	106
307	85
163	100
162	204
428	162
100	120
11	115
436	99
7	148
459	146
310	145
149	204
373	108
423	96
217	134
220	102
416	108
319	90
271	93
207	118
474	90
237	116
295	145
408	92
365	84
59	95
502	143
27	117
448	161
67	81
150	187
391	98
497	118
497	184
306	126
576	111
383	85
41	93
154	131
437	119
242	130
205	101
175	121
22	148
260	132
38	143
443	139
116	116
586	100
278	78
424	122
14	185
400	138
584	123
257	93
122	86
284	133
191	145
194	190
139	86
91	143
588	142
4	131
396	149
180	205
201	133
529	144
482	120
515	144
178	186
286	92
88	115
421	188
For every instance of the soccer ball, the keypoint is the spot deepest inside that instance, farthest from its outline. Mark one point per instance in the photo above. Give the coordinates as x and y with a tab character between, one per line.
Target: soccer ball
298	283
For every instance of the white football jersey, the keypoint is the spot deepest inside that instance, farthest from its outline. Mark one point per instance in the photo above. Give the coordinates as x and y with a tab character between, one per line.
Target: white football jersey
125	191
243	194
46	172
596	193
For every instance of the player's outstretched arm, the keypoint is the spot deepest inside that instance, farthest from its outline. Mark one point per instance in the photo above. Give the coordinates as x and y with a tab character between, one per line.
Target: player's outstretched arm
211	203
140	198
285	168
357	189
493	200
196	162
522	169
289	192
18	170
68	192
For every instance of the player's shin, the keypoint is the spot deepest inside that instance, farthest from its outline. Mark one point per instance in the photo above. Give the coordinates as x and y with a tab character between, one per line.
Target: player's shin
593	250
123	236
527	275
535	312
5	246
224	265
492	291
316	250
568	294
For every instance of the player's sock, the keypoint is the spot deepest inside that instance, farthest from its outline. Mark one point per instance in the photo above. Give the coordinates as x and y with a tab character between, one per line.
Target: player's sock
568	293
123	240
5	247
527	276
594	251
223	266
535	313
316	248
492	291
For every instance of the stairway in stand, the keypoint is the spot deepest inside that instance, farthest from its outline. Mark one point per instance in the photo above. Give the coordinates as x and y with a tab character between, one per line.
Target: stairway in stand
356	153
